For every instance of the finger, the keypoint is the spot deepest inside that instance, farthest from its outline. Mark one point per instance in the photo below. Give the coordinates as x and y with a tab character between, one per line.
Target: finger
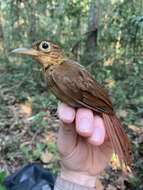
67	133
67	138
84	122
66	113
98	135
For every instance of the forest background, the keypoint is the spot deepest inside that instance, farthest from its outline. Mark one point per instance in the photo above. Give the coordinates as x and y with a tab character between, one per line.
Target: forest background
106	36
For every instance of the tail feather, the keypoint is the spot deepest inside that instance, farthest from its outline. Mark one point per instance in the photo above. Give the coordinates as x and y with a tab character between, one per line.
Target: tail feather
123	139
112	135
119	139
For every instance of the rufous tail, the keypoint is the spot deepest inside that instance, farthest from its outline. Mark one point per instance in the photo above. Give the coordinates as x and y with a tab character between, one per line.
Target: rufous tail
118	138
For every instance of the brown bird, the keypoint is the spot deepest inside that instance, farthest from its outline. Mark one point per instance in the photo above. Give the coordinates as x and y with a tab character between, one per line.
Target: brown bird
74	85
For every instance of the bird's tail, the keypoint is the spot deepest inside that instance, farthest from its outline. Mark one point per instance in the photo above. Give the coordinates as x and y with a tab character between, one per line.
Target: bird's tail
118	138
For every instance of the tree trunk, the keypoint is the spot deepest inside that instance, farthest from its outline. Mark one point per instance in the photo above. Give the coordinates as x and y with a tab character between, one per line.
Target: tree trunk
32	20
93	24
1	27
91	40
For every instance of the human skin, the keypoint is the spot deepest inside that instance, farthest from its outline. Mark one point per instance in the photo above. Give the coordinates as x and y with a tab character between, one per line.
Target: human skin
82	142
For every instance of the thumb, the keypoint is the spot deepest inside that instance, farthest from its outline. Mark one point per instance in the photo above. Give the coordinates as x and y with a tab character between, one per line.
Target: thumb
67	134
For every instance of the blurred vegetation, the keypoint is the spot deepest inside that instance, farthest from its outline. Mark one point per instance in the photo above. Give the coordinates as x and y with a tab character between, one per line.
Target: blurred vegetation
106	36
2	177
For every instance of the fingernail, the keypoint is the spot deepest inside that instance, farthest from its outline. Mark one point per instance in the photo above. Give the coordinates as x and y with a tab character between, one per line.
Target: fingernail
84	127
66	113
98	135
84	124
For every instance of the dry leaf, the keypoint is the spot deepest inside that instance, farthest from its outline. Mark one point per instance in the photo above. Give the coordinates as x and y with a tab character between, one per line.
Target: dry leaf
122	113
99	185
46	157
110	83
109	61
115	163
49	137
134	128
26	109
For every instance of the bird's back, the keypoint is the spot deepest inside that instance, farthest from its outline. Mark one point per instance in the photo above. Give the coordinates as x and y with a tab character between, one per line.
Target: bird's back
74	85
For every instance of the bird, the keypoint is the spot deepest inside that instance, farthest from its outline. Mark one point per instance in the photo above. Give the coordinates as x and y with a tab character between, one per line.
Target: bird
72	84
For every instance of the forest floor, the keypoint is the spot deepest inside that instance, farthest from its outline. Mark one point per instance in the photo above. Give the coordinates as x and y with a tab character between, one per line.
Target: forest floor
29	125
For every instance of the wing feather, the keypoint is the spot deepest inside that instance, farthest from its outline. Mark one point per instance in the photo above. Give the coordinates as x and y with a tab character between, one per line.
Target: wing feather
74	82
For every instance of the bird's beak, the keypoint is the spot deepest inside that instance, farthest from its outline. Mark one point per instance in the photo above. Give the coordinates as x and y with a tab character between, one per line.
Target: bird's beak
25	51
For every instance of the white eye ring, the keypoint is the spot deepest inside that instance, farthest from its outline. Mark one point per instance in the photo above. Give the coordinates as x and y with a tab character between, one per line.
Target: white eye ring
45	46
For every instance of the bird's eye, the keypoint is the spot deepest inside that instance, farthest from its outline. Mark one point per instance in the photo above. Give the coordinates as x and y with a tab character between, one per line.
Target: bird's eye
44	46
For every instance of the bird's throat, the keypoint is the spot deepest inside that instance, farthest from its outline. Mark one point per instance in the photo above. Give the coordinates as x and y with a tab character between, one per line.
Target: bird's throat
46	62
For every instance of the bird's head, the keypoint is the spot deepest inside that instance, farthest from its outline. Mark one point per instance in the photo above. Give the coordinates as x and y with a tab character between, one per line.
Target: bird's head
45	52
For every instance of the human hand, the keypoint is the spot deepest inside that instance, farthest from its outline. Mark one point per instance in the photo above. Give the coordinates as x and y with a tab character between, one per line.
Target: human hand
83	145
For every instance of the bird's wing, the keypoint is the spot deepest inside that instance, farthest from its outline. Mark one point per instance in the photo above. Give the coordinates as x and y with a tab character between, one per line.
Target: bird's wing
74	82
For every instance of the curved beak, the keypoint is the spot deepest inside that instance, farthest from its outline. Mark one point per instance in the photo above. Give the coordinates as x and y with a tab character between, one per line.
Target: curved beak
25	51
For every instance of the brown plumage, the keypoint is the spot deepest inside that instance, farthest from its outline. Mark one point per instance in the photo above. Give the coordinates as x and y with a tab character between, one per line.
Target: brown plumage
74	85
